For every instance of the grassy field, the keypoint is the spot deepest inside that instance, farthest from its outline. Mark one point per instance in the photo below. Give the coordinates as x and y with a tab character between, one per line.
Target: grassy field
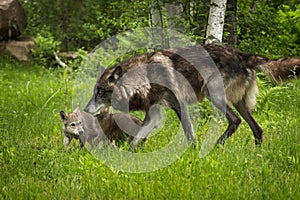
35	165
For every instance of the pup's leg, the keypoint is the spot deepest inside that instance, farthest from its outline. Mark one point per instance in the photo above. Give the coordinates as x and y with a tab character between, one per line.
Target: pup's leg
67	141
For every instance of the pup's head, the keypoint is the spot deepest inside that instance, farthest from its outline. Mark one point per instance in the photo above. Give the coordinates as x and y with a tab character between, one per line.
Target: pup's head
72	123
103	90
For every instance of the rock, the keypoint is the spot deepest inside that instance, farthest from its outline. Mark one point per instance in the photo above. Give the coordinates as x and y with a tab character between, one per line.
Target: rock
12	19
20	48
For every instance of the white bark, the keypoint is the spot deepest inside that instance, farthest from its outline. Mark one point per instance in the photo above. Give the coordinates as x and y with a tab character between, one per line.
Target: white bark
59	61
215	24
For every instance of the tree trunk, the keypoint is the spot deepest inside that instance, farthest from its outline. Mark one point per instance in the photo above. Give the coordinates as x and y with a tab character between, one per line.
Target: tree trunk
231	22
253	6
214	31
165	16
64	26
156	18
174	15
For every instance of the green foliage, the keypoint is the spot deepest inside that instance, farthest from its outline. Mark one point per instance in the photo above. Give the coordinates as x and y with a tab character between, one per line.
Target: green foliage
34	164
45	46
270	29
266	27
289	22
88	22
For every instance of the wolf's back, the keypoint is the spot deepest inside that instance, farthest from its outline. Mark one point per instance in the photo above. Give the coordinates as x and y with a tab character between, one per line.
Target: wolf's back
277	69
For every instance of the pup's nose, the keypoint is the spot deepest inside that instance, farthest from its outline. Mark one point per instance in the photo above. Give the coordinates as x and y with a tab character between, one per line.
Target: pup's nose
80	132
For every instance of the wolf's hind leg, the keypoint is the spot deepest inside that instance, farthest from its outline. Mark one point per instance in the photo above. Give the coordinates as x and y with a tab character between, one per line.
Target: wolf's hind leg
245	112
233	120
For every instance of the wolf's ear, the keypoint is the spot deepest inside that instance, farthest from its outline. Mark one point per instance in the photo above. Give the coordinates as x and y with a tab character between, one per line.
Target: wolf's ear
116	75
101	69
63	115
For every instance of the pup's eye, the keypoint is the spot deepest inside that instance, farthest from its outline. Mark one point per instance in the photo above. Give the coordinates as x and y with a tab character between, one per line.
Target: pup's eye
73	124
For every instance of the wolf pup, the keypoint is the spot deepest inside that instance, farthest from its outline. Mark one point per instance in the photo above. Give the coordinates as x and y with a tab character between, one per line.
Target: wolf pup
82	126
140	86
103	127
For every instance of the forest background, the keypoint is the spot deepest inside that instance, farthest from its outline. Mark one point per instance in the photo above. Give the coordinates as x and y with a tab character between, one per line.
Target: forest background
267	27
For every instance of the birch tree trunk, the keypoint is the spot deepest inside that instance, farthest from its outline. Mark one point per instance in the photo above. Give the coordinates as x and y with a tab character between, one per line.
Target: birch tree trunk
215	25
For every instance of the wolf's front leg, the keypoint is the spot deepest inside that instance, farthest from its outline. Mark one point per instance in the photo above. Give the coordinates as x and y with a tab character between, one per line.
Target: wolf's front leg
182	113
151	121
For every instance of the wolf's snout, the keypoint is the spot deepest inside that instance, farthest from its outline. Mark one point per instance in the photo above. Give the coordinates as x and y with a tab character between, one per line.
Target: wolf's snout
90	107
87	109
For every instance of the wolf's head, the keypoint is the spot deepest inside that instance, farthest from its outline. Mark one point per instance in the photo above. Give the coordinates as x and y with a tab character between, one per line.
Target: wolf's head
72	123
103	90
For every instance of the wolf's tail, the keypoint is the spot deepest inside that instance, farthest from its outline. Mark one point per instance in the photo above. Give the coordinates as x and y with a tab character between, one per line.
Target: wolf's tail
278	70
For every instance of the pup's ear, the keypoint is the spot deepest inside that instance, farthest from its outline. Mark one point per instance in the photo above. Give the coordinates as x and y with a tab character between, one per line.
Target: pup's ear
116	75
63	115
77	109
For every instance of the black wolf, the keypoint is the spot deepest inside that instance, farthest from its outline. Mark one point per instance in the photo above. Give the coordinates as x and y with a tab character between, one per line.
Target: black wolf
181	76
111	124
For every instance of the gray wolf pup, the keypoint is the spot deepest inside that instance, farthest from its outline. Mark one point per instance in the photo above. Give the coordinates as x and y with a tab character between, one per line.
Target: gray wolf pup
233	82
103	127
81	126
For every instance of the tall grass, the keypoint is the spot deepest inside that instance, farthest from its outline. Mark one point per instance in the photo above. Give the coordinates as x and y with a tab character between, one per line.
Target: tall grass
35	165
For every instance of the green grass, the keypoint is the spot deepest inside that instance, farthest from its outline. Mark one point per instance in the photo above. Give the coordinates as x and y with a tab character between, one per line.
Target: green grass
35	165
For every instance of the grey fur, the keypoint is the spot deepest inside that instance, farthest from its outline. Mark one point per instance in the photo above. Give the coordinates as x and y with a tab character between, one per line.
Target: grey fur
103	127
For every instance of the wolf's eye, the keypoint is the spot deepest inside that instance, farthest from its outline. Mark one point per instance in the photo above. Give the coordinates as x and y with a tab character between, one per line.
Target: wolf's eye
101	92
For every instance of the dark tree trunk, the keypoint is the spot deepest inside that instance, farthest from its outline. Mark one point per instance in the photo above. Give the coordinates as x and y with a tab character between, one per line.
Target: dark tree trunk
158	38
64	19
253	6
231	22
